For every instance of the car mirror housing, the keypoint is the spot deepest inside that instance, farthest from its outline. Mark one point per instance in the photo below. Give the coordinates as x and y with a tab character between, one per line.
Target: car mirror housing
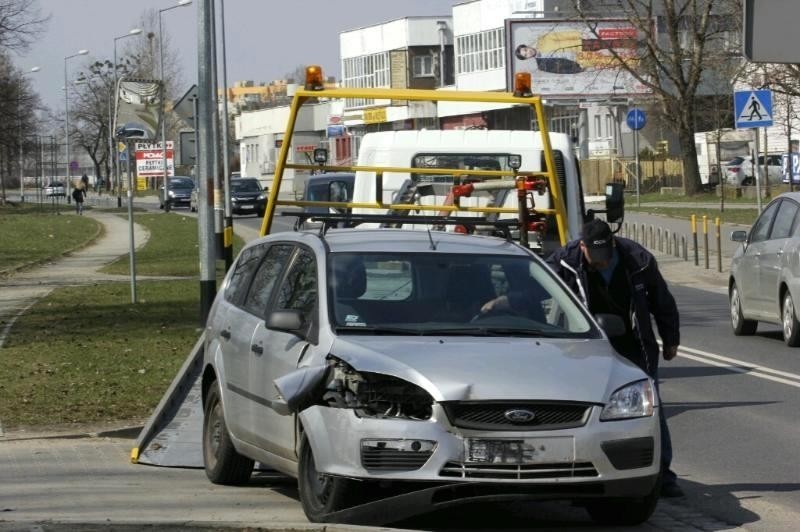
615	202
739	236
301	389
611	324
286	320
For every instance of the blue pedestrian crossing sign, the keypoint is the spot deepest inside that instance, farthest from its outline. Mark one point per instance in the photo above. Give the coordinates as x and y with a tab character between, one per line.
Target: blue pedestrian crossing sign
752	108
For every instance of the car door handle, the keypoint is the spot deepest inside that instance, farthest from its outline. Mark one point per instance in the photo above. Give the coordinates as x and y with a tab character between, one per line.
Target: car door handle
225	334
257	349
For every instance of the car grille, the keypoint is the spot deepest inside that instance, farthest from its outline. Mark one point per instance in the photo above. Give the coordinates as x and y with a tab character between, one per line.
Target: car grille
492	416
519	472
375	459
631	453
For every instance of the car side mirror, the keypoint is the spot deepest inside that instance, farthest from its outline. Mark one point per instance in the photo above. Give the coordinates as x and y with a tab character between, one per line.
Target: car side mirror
739	236
611	324
300	389
286	320
615	202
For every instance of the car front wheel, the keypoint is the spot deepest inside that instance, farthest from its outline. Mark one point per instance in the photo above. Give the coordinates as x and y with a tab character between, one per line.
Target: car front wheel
741	326
791	327
627	511
322	494
223	464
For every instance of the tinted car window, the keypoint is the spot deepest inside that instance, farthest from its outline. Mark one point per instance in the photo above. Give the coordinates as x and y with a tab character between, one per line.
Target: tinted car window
784	220
299	290
245	185
181	182
735	161
243	274
761	227
261	289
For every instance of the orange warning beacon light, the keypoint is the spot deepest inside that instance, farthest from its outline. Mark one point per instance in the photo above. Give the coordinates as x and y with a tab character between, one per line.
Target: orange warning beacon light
314	78
522	84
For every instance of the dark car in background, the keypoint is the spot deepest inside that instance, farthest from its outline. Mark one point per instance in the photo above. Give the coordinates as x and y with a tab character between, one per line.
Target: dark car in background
180	192
247	196
335	186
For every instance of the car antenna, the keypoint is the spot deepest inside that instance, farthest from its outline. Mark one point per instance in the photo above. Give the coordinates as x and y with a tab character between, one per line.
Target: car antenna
430	237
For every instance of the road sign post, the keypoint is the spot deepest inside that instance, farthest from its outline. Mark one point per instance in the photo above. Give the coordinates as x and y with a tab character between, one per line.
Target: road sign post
636	120
753	109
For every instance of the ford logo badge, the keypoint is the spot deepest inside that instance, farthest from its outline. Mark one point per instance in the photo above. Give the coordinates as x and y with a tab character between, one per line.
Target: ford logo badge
519	415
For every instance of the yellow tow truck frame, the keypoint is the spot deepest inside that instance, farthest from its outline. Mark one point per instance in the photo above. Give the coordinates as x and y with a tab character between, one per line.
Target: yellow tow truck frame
522	96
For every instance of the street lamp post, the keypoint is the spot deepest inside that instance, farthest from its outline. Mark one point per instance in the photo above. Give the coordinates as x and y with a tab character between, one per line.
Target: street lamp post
68	180
181	3
115	162
21	136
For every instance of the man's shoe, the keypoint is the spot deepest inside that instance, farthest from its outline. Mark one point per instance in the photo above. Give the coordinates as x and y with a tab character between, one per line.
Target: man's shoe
671	490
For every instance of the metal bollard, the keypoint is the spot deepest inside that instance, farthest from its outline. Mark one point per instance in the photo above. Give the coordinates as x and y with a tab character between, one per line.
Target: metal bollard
719	244
705	238
684	246
652	239
666	241
658	239
634	233
644	236
625	229
694	239
675	251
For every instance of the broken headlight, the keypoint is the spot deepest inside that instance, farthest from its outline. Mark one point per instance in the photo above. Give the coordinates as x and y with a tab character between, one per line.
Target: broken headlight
376	395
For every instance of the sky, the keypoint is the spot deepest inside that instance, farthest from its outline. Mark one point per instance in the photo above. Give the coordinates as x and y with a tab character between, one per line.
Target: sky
265	39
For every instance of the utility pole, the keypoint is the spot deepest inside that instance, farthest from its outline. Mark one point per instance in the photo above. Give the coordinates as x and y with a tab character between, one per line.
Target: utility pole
218	196
205	159
226	176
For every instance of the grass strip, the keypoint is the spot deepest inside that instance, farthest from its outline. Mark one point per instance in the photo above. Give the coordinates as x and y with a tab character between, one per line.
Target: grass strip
85	354
32	234
733	216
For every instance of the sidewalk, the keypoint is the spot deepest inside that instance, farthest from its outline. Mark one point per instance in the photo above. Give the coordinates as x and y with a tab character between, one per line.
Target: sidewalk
21	289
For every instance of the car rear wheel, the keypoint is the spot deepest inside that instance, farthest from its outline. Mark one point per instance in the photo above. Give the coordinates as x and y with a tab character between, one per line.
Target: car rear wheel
741	326
791	327
222	463
322	494
625	511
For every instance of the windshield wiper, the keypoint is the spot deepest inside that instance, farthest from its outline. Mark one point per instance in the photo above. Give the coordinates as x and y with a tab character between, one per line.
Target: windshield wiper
380	330
492	331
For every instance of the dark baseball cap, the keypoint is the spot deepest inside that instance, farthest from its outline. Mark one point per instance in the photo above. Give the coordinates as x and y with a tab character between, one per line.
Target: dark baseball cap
598	239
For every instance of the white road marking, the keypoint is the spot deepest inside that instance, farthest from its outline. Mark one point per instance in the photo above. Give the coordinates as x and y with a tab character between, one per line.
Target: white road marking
739	366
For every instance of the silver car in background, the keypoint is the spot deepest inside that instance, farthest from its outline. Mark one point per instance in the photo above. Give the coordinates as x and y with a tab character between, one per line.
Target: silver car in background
763	284
361	361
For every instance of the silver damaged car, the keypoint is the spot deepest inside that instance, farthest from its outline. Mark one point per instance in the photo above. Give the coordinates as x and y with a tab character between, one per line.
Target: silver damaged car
367	362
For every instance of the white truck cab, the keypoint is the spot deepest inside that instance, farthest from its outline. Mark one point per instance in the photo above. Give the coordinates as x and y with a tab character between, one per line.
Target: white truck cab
471	149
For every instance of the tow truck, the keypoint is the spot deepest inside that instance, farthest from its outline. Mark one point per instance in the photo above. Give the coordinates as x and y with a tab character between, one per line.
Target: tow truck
525	201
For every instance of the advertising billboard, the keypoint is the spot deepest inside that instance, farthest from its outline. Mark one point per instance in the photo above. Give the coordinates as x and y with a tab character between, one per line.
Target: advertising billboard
567	58
139	109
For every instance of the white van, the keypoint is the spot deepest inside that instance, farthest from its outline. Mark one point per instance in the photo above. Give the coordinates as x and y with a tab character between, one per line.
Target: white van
468	149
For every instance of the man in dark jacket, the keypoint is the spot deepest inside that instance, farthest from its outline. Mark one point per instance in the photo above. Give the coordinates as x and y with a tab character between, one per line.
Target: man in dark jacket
614	275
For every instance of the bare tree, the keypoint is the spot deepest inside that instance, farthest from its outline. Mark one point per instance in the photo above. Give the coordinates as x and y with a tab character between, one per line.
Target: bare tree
20	23
682	43
18	123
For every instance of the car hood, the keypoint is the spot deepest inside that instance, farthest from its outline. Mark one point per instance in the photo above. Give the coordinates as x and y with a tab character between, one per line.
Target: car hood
245	195
460	369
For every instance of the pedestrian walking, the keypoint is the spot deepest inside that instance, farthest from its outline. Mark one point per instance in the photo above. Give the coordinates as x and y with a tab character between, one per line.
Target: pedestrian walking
85	183
79	194
614	275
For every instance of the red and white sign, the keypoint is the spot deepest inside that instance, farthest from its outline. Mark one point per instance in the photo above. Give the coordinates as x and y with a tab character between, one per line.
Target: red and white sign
150	163
305	148
153	145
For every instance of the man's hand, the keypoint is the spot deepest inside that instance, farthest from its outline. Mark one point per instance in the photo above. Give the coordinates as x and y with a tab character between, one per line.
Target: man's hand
670	352
498	303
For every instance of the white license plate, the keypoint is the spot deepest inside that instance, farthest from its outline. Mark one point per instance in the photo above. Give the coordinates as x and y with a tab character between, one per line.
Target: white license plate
247	206
519	450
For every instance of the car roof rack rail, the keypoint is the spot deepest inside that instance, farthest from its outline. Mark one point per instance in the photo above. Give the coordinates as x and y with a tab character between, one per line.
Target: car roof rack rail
347	220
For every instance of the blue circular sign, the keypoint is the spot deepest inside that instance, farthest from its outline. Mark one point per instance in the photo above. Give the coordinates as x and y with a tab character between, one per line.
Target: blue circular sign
636	119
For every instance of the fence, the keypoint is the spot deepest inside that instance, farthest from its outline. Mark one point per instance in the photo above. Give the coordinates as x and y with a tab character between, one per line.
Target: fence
595	173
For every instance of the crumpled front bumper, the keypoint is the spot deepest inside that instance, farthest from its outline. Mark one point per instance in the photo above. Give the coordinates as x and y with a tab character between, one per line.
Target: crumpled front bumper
336	437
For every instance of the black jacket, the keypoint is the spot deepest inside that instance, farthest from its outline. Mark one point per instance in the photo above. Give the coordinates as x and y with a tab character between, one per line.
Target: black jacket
649	294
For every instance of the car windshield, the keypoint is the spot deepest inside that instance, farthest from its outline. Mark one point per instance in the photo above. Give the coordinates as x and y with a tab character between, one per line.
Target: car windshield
447	294
245	185
735	161
181	183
